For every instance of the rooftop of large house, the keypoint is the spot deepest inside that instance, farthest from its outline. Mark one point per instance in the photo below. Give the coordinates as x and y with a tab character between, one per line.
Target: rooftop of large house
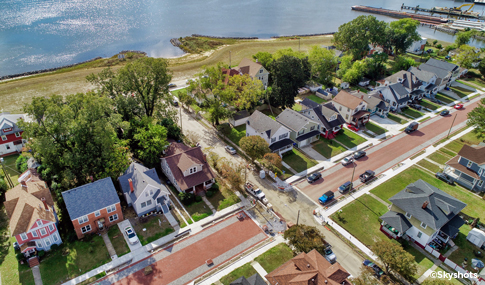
344	98
248	66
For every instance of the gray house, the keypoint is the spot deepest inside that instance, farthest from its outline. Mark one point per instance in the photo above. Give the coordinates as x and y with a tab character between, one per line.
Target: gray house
274	133
396	95
326	115
142	190
303	130
467	168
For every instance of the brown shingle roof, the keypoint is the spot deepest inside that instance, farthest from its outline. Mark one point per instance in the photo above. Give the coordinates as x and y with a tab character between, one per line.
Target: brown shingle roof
183	158
304	268
456	165
344	98
248	66
175	148
24	206
228	73
475	154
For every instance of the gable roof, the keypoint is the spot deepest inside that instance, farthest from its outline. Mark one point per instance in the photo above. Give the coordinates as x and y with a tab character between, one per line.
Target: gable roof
293	120
192	154
24	206
247	66
240	115
255	279
442	64
373	100
263	124
142	179
344	98
310	103
175	148
440	73
422	75
8	120
475	154
408	79
439	207
397	221
397	91
90	197
305	267
324	113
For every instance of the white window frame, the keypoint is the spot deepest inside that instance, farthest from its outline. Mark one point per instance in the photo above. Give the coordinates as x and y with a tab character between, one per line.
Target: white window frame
423	225
85	229
39	243
34	234
469	164
43	232
113	218
39	223
17	135
261	70
151	192
420	234
4	138
312	127
149	202
407	215
480	183
97	214
111	208
273	140
47	240
301	132
143	205
55	237
51	227
83	219
22	235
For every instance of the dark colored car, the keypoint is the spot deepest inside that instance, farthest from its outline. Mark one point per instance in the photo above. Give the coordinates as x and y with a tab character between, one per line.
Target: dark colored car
366	176
444	112
359	154
411	127
377	270
16	245
345	187
172	85
314	177
445	177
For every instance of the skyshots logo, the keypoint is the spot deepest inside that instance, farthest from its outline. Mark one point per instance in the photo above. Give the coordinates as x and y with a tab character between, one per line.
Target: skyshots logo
456	275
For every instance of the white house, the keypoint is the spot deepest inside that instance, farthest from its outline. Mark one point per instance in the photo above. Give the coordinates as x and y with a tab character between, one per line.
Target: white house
352	108
239	118
417	47
277	135
303	130
396	95
430	84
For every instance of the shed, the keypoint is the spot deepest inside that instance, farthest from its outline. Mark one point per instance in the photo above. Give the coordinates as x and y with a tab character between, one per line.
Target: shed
324	94
344	85
477	237
239	118
364	82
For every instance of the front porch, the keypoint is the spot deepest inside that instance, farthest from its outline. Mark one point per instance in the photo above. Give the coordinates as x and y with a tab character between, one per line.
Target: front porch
200	189
390	232
330	134
360	118
461	178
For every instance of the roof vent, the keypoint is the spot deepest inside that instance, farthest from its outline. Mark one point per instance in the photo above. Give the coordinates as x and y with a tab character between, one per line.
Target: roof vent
425	204
308	265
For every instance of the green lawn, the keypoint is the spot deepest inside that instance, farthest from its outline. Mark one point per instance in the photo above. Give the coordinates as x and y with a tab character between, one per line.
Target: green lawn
275	257
429	105
438	157
298	161
467	83
177	92
10	168
360	88
475	205
424	119
375	128
118	241
453	280
466	249
360	218
412	113
448	152
470	139
476	80
316	99
296	107
246	270
396	119
198	210
237	133
444	98
349	138
422	261
223	198
461	92
455	146
12	272
155	228
327	148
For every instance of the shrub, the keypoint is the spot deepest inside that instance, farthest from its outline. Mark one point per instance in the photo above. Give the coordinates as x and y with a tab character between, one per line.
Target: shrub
439	46
198	198
54	247
209	193
3	185
40	253
186	198
20	256
91	249
215	187
21	163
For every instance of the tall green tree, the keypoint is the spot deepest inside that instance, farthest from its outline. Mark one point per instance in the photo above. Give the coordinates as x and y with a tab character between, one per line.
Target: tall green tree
476	118
402	63
376	65
345	64
264	57
323	62
305	238
481	67
467	56
75	138
394	257
356	35
254	146
402	33
288	52
463	38
216	111
289	74
138	89
151	141
366	277
241	91
355	74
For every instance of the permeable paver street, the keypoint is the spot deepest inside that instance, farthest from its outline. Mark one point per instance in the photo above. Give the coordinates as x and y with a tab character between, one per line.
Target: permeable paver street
186	260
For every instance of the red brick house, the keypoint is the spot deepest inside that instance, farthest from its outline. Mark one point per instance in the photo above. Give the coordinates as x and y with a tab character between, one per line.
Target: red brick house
32	217
93	207
10	134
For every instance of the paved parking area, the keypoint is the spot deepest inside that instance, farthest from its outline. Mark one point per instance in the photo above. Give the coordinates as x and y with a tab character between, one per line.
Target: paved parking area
122	225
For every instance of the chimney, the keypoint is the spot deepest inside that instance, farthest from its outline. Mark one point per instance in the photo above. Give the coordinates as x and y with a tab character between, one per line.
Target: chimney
205	157
425	204
131	185
24	184
45	203
361	96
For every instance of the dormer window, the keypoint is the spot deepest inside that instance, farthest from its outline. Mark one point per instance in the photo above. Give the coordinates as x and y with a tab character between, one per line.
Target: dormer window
469	164
273	140
301	132
261	70
7	130
312	127
408	215
17	134
424	226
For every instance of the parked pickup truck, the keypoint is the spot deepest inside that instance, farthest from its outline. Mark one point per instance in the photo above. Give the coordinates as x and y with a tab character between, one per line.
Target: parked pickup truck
329	255
326	197
256	192
366	176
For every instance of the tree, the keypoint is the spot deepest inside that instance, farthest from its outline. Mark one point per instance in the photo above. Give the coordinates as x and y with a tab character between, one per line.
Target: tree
289	74
216	111
402	33
394	257
265	58
138	89
435	42
476	118
173	130
467	56
305	238
355	74
254	146
273	161
402	63
233	173
192	137
376	65
186	99
21	163
366	277
75	138
151	140
356	35
439	46
481	67
288	52
323	63
241	91
345	64
463	38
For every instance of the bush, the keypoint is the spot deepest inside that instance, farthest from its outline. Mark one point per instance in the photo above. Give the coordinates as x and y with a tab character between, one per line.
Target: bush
40	253
215	187
21	163
198	198
186	198
3	185
439	46
20	256
54	247
210	193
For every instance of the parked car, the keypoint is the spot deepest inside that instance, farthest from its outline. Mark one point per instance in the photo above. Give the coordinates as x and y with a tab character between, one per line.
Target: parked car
16	245
352	127
175	102
230	149
325	198
358	154
411	127
448	57
377	270
329	255
172	85
458	106
256	192
445	177
444	112
347	160
313	177
130	234
345	187
366	176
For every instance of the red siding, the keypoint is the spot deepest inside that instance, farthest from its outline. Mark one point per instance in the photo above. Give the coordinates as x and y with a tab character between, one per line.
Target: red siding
92	221
11	138
30	237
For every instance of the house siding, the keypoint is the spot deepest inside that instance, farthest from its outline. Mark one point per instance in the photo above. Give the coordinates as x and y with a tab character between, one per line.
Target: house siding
465	180
92	221
168	172
48	236
415	222
8	146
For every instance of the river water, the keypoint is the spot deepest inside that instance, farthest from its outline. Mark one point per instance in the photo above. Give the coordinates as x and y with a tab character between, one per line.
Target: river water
38	34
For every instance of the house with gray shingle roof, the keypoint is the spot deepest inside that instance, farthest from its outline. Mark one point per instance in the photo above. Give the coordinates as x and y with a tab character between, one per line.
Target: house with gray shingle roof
142	190
468	167
10	134
375	103
326	115
93	207
274	133
396	95
424	213
303	130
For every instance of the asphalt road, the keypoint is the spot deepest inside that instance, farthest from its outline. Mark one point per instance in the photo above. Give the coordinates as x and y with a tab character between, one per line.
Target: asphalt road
385	155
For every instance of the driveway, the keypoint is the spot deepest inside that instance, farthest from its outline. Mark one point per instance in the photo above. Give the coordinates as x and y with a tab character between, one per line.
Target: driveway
122	225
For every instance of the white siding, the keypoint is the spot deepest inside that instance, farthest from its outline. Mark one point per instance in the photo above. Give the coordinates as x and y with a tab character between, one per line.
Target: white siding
413	233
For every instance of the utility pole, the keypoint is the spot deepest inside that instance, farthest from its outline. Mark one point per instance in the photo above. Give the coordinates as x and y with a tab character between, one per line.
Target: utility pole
451	126
230	60
298	218
7	177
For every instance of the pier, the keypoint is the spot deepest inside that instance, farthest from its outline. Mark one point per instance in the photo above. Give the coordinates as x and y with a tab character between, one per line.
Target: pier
430	20
449	12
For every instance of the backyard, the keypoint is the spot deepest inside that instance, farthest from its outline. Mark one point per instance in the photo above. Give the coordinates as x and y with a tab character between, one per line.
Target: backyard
328	148
467	249
151	228
298	161
349	138
10	168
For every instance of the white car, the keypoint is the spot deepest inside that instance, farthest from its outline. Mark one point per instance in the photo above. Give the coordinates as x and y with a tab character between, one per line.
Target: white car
132	238
347	160
230	149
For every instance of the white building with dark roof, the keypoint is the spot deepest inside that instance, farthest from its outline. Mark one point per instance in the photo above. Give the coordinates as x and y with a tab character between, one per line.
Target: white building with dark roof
274	133
326	115
303	131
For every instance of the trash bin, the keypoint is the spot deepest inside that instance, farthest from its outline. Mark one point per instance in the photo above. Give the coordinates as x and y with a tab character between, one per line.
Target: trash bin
262	174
